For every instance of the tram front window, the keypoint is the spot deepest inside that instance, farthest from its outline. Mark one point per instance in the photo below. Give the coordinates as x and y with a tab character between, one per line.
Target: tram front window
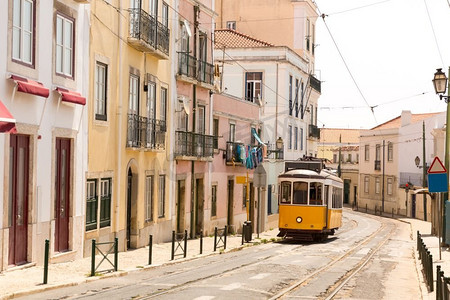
285	192
315	193
300	193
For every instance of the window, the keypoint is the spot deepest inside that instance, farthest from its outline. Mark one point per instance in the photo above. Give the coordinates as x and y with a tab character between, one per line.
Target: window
285	193
23	31
335	160
201	119
308	34
357	157
165	14
163	109
149	198
182	117
301	100
311	109
214	200
300	193
301	138
232	137
253	82
336	198
295	138
349	157
151	100
291	105
290	137
390	152
64	46
153	8
231	25
377	151
389	186
100	91
216	133
377	185
366	184
296	97
315	193
133	105
162	195
91	205
366	152
105	202
313	32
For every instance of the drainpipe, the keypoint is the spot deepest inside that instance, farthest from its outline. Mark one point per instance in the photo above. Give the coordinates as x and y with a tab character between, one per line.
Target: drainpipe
193	200
119	122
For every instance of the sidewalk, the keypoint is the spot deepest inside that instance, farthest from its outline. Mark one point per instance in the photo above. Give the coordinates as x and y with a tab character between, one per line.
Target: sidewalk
23	281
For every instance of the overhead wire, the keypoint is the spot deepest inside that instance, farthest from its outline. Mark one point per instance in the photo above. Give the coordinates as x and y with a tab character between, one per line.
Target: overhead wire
434	33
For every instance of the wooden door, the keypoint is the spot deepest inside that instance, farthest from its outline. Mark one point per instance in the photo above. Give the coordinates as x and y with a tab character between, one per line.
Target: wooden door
230	203
129	189
18	198
62	194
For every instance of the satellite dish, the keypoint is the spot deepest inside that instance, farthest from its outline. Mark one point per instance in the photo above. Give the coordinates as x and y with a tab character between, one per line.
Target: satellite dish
185	104
188	28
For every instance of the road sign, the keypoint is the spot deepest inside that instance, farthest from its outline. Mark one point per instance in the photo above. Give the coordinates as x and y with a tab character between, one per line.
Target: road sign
437	167
437	182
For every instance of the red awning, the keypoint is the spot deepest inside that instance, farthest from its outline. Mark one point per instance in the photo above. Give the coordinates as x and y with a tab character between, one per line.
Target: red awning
30	86
71	96
7	121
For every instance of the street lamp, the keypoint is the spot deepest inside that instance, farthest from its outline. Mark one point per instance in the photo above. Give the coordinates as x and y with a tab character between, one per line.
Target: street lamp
440	85
279	143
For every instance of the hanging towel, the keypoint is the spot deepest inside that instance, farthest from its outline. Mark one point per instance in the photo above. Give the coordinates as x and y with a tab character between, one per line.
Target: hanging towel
238	153
243	156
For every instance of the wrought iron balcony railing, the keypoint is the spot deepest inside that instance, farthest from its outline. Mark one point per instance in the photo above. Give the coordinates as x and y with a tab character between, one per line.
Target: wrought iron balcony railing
187	64
274	153
233	156
377	165
205	72
144	27
314	131
146	133
315	83
194	144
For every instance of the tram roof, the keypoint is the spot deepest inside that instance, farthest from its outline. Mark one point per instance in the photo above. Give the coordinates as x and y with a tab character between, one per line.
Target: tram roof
309	174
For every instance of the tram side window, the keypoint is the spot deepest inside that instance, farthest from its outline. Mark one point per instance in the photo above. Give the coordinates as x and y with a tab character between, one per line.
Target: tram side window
285	192
300	193
315	193
337	198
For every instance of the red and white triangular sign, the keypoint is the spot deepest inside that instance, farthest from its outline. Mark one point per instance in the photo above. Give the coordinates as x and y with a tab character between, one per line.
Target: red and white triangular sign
436	167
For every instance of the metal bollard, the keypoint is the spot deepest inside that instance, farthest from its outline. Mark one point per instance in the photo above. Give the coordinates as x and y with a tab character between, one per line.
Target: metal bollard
201	241
185	243
392	212
438	282
46	261
93	258
173	245
375	210
116	254
150	248
366	207
225	238
215	239
242	242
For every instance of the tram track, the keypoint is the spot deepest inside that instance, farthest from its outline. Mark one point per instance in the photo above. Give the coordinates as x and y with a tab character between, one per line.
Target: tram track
334	289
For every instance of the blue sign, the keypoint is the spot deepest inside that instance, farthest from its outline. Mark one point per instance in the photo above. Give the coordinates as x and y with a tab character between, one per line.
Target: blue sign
437	182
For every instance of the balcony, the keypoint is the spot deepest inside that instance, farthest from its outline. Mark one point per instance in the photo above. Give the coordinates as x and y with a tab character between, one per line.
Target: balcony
315	83
274	153
147	34
146	133
314	131
233	157
191	145
196	70
205	72
377	165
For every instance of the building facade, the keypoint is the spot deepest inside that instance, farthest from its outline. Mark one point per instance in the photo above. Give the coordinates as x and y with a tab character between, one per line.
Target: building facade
388	156
44	65
128	177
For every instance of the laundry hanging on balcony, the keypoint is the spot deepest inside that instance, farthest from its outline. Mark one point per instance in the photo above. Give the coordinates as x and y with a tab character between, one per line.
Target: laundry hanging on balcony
256	136
254	156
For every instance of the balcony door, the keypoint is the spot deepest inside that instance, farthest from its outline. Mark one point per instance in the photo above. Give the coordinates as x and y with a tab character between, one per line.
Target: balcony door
18	199
151	113
135	7
62	194
230	204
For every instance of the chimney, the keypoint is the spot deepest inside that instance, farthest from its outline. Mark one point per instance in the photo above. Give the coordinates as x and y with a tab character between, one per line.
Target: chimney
406	117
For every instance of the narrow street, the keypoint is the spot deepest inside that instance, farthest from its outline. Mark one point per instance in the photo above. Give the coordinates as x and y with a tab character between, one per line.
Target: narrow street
369	258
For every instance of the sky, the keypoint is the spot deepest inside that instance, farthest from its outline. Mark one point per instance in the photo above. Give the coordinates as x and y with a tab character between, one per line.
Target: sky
391	52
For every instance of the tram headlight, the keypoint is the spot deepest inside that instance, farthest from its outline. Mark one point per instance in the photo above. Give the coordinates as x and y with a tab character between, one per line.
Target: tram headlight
299	219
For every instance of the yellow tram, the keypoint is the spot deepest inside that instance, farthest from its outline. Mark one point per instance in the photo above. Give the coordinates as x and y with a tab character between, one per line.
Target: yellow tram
310	201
